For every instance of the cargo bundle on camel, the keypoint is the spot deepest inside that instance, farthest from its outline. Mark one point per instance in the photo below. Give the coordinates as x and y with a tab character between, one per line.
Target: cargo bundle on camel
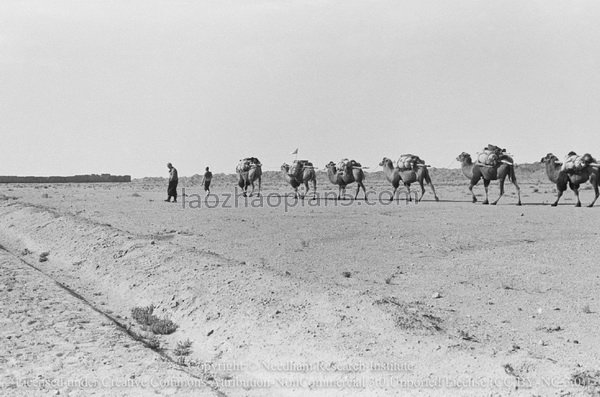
492	156
345	173
576	170
301	172
495	165
249	170
409	162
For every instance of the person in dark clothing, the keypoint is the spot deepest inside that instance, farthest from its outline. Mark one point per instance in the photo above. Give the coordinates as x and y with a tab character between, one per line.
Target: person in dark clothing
173	179
206	179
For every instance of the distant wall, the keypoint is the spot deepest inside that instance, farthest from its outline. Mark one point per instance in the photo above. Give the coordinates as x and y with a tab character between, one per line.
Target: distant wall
66	179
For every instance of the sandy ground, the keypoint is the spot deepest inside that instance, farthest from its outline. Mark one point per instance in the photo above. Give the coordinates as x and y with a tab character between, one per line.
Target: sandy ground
321	298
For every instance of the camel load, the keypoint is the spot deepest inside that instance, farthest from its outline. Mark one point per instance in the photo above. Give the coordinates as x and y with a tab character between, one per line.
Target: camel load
491	156
298	166
345	166
575	163
247	163
409	162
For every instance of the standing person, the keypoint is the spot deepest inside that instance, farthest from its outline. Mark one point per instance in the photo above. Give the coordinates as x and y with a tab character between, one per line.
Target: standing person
206	181
173	179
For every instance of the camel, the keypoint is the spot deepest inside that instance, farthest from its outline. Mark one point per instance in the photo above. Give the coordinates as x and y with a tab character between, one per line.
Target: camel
562	178
249	171
304	175
475	172
394	175
356	174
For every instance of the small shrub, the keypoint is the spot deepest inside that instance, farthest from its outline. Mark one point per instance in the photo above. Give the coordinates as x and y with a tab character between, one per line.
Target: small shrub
183	348
143	315
44	256
163	327
586	309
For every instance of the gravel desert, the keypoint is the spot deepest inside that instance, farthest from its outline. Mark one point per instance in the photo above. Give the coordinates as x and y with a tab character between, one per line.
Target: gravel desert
274	296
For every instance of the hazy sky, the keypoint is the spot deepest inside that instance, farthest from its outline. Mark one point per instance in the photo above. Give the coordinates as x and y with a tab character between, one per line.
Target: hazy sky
126	86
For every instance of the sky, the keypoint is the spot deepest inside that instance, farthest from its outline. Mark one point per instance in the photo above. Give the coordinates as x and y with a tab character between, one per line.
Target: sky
125	86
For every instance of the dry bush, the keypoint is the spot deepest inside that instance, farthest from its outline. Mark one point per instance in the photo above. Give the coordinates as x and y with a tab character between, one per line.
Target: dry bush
144	316
183	348
163	327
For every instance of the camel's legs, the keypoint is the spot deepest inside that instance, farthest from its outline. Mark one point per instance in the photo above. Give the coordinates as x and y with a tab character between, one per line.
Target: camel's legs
259	184
486	184
558	196
407	185
394	193
518	191
314	181
595	186
473	194
501	191
306	189
576	191
428	180
360	184
422	190
561	186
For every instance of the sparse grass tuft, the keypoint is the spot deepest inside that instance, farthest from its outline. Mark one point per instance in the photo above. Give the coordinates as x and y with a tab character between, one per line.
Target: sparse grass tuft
586	309
183	348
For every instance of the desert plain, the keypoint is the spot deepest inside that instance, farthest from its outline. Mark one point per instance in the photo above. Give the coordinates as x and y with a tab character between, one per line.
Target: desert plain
285	297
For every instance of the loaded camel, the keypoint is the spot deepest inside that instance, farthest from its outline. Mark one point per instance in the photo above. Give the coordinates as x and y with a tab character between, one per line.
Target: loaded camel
395	175
562	179
475	172
249	170
352	173
301	173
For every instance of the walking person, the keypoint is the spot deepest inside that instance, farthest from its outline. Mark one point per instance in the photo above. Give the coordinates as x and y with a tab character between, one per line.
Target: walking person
173	179
206	179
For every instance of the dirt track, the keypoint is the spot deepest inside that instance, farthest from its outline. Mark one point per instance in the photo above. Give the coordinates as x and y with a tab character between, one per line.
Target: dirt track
448	297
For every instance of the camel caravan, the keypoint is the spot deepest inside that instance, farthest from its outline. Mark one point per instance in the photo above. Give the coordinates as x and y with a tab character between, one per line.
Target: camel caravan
491	164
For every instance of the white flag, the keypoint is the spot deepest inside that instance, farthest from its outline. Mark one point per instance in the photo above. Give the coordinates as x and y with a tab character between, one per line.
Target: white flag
295	151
